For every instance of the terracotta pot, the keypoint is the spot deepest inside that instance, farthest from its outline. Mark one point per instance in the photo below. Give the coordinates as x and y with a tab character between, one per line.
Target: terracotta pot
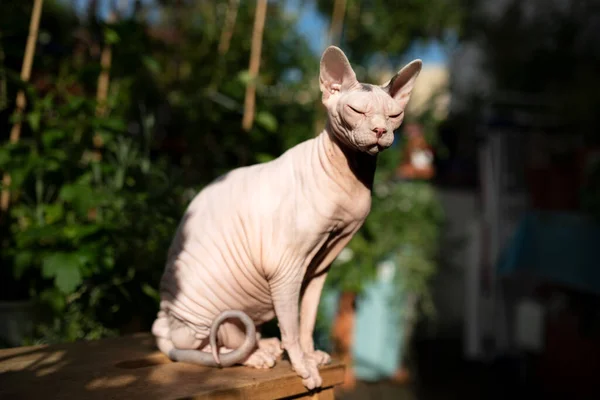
402	376
342	335
417	157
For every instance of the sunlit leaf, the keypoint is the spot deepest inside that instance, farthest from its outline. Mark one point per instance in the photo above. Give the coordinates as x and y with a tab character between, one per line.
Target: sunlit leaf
23	260
78	232
263	157
34	118
267	121
4	156
151	292
54	212
111	36
82	197
151	64
51	136
65	269
53	298
244	77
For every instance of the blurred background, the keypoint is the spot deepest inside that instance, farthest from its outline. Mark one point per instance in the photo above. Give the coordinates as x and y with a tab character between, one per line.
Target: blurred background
477	273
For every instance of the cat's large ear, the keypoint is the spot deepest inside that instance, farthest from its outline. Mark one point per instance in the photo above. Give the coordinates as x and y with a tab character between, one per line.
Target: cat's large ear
402	84
336	73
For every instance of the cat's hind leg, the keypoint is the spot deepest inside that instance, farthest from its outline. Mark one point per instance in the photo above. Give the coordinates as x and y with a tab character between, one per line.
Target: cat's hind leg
173	334
272	346
264	355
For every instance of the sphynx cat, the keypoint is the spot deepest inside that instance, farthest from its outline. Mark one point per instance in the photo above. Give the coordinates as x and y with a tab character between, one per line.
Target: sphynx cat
258	242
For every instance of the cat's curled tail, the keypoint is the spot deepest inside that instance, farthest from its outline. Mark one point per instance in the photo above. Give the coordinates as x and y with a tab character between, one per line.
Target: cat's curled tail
214	359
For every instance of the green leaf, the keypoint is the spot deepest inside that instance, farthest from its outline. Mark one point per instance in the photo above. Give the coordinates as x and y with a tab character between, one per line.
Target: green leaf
34	118
52	165
68	279
22	262
82	197
267	121
244	76
53	298
4	156
22	166
54	212
51	136
111	36
264	157
109	260
47	103
95	296
151	63
86	257
78	232
37	234
110	124
150	292
15	118
65	269
75	103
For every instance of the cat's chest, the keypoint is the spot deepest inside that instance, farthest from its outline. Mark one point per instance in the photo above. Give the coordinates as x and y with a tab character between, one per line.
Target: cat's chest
342	215
353	209
330	237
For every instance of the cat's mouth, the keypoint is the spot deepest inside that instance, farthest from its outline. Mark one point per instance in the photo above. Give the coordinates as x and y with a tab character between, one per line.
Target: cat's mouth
376	148
372	145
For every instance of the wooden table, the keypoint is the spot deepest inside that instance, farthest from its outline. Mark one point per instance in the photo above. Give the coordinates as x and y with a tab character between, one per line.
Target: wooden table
131	367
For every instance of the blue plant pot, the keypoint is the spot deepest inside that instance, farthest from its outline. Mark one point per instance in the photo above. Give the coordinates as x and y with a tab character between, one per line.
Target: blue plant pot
379	329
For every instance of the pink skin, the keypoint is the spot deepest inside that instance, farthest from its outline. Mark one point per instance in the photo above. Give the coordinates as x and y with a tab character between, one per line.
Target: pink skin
258	242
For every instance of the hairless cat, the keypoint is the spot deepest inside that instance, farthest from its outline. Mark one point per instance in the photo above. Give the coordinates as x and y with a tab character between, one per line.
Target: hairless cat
258	242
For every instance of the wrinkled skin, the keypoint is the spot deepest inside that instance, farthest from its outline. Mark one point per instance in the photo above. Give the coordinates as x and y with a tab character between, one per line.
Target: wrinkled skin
260	240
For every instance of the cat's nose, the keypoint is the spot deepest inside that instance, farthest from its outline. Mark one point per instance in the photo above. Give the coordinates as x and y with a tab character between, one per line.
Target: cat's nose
379	132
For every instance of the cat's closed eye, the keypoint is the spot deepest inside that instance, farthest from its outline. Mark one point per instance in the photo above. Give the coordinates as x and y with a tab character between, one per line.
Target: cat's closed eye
355	110
396	115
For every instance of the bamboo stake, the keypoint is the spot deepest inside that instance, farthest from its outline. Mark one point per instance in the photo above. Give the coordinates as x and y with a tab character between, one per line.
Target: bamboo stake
34	24
337	21
15	132
102	94
335	32
102	89
227	31
103	79
103	84
224	43
3	89
255	52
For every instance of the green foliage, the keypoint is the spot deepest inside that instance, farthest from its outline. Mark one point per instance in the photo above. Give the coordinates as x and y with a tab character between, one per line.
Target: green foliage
87	236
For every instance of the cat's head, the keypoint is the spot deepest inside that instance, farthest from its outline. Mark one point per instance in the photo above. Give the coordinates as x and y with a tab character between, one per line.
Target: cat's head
361	115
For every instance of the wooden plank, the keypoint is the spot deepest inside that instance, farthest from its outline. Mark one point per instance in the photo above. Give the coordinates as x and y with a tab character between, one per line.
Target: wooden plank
326	394
131	367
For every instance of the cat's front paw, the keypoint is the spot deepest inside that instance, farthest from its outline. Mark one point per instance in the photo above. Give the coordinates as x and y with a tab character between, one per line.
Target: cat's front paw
308	371
319	357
